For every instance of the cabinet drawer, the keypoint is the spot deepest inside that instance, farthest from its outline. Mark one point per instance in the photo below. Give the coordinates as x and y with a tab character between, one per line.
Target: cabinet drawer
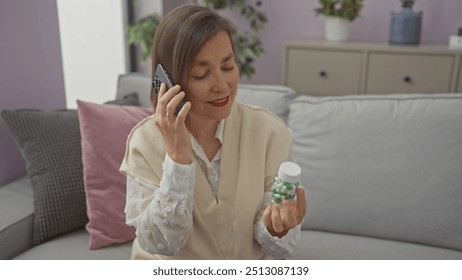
407	73
319	72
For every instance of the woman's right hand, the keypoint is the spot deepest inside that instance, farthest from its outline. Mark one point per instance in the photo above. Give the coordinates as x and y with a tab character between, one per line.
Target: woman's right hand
173	128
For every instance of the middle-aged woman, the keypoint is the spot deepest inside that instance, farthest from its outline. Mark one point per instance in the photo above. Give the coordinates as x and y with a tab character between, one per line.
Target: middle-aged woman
199	182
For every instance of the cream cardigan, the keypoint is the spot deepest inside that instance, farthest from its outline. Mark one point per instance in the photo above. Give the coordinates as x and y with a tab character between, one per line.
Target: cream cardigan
255	142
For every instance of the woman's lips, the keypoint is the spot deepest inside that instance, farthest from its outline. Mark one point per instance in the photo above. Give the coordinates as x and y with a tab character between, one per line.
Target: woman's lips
219	102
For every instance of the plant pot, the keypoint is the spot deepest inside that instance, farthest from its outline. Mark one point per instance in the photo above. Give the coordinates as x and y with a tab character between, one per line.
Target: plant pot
337	29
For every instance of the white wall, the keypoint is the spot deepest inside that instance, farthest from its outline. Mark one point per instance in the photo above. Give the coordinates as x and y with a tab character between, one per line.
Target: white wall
94	52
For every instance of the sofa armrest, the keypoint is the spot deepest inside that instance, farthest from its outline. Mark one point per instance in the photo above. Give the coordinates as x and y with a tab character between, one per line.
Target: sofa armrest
16	218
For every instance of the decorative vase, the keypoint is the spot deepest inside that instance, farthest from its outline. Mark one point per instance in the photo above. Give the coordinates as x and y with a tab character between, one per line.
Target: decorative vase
405	26
337	29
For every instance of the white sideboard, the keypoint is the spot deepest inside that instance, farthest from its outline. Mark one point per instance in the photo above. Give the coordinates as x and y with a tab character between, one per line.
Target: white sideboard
325	68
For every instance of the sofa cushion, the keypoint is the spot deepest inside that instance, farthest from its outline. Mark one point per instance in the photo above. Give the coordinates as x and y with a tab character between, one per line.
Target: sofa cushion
127	99
382	166
74	246
49	141
16	217
321	245
272	97
50	144
104	130
135	82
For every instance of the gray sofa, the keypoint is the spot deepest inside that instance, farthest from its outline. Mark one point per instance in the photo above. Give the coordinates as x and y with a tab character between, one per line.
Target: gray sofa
382	176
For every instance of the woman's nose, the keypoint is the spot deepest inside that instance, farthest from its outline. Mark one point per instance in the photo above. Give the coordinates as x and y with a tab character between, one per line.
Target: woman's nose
220	83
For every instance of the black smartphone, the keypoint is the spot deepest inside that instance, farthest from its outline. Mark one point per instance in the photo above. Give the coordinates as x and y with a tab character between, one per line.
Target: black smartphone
161	76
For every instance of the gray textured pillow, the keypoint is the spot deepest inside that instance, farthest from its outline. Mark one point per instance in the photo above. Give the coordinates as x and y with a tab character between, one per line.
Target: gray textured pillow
382	166
50	144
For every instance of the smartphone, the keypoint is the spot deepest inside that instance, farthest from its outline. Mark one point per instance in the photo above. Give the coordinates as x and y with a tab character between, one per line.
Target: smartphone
161	76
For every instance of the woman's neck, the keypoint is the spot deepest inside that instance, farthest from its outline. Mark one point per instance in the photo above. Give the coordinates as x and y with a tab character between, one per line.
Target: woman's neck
204	132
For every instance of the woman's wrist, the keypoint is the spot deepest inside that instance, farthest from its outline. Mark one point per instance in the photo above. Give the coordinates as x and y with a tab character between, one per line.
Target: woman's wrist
277	234
180	158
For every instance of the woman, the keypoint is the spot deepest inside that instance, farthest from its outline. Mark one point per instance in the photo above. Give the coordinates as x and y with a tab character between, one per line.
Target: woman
198	182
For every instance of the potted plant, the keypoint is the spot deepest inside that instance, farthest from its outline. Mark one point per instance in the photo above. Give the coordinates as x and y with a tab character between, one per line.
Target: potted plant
141	34
248	45
338	15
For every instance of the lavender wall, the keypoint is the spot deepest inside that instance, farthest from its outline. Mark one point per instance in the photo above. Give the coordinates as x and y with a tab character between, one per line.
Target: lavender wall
295	18
31	74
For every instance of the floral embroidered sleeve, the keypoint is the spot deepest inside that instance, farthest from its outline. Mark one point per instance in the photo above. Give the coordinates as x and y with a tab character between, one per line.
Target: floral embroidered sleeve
162	215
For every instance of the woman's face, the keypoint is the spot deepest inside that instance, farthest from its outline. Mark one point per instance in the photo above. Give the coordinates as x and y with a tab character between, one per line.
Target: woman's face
212	84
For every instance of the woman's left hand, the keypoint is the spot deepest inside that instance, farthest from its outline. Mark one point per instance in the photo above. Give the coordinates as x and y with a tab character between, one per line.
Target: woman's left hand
278	219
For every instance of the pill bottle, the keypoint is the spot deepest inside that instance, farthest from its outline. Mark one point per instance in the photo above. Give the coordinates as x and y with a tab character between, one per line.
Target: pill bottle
286	182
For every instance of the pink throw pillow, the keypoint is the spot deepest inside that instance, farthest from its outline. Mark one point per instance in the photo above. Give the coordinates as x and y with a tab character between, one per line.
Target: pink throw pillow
104	130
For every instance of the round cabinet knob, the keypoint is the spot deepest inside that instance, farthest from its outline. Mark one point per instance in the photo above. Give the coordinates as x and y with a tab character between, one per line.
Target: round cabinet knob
323	74
407	79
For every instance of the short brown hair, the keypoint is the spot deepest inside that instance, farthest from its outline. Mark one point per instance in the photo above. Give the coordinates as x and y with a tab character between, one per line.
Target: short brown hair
180	36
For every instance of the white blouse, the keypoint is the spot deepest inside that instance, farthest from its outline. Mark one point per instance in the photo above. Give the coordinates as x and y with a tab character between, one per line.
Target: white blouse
162	215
